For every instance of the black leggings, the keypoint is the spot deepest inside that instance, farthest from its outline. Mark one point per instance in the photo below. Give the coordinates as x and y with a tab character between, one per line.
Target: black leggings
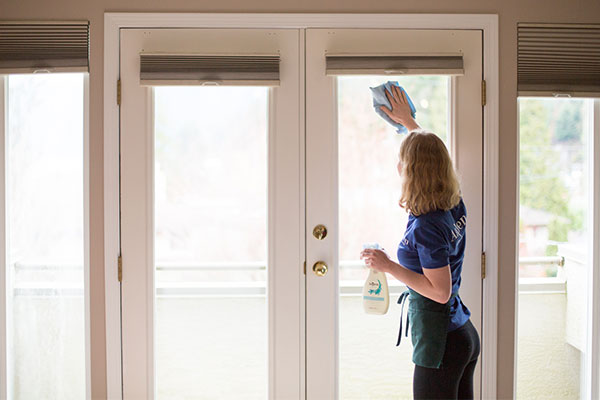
454	380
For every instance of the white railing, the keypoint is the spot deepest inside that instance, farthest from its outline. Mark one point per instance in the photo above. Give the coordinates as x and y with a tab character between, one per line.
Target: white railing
248	288
547	260
556	284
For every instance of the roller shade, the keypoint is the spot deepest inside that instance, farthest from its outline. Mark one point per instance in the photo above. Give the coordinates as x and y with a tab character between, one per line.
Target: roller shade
194	69
558	60
27	47
389	64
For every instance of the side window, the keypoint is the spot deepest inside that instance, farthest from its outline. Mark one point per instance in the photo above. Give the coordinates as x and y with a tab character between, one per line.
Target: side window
554	243
43	173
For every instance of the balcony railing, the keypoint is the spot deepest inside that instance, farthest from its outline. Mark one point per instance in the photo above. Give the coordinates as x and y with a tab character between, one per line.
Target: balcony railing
248	288
556	284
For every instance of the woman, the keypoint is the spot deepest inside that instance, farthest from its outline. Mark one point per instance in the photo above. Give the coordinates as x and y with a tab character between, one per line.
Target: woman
445	342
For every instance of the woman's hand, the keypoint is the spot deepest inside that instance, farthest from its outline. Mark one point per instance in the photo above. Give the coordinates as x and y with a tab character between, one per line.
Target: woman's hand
400	111
377	259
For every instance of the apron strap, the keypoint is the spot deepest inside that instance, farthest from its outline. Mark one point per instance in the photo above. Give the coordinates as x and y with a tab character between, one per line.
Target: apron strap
402	300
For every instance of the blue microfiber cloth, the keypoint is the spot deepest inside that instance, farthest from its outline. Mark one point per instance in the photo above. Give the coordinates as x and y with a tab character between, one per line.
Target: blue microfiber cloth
380	99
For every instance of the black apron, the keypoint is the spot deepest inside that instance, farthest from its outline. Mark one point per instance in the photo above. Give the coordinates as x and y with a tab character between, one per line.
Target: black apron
429	327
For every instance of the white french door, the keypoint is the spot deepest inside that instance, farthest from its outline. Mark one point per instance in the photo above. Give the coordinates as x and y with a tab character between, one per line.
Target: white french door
211	224
222	185
352	189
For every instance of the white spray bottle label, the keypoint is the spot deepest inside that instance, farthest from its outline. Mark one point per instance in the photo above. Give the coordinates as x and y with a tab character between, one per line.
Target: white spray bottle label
376	298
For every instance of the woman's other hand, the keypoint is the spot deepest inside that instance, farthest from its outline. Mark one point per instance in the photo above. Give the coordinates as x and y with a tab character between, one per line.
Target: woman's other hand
400	112
376	259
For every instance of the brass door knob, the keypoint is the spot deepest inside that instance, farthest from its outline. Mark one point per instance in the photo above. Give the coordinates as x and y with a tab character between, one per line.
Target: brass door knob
320	268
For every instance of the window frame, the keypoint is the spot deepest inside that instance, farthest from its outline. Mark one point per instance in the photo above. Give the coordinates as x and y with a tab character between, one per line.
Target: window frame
592	361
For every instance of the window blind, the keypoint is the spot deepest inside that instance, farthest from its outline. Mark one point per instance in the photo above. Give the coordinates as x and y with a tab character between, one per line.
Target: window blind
27	47
389	64
197	69
558	60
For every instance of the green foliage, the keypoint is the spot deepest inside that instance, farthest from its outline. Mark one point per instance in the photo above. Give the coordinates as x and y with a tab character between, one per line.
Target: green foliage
569	122
545	126
541	187
551	270
558	228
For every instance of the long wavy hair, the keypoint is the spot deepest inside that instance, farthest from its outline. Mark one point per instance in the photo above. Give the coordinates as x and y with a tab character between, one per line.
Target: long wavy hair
429	182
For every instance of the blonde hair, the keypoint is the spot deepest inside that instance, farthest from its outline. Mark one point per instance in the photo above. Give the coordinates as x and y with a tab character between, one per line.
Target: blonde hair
429	182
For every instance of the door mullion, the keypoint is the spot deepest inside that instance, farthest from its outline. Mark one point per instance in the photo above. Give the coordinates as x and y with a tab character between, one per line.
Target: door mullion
302	204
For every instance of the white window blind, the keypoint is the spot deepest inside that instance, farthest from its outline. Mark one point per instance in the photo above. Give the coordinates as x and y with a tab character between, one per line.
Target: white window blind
390	64
199	69
28	47
558	60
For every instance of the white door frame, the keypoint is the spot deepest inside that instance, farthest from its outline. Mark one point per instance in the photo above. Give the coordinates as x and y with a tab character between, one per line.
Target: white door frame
113	22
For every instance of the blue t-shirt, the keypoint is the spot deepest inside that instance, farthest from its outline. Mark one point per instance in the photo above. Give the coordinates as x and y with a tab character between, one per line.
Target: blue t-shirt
434	240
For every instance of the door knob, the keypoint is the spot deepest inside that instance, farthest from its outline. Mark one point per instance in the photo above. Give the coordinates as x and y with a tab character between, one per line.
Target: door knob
320	268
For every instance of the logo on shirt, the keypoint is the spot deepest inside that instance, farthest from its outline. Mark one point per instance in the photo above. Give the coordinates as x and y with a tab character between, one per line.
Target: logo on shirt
459	227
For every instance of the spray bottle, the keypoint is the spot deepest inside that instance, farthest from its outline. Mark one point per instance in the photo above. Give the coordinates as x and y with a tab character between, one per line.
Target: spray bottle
376	298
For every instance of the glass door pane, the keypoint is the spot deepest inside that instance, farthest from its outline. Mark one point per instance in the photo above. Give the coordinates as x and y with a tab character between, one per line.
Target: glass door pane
210	208
369	364
45	240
